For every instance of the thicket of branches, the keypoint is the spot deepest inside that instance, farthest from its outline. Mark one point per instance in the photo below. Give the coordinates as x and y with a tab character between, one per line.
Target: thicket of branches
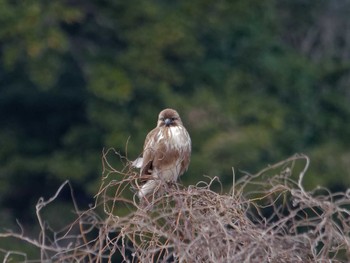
266	217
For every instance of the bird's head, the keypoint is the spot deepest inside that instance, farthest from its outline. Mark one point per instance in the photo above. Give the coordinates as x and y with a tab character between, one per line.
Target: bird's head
169	118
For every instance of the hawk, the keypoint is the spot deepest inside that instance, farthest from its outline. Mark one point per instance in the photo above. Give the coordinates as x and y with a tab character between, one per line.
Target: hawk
166	153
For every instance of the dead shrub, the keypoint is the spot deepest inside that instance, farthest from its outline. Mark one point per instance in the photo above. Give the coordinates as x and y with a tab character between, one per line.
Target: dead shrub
267	217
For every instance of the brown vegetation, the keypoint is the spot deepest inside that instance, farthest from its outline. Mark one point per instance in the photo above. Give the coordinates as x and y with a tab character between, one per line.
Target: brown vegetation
267	217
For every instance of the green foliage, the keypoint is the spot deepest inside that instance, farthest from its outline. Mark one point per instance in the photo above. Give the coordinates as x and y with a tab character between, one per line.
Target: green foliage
33	38
251	79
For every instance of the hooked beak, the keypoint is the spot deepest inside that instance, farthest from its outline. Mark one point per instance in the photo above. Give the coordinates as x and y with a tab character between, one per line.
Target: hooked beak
167	122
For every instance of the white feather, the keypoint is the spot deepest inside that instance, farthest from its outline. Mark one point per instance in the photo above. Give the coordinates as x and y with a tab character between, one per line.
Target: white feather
138	163
148	188
179	137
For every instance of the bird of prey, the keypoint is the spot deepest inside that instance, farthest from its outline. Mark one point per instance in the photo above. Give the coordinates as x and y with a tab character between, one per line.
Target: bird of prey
166	153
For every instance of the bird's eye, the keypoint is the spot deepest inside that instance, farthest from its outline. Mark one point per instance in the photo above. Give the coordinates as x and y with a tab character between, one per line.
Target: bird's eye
161	119
173	118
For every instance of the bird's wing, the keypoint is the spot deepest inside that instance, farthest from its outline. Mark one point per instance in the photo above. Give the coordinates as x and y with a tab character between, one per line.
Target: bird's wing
149	150
186	155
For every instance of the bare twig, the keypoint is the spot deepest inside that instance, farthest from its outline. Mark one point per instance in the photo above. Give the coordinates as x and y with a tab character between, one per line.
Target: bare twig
268	217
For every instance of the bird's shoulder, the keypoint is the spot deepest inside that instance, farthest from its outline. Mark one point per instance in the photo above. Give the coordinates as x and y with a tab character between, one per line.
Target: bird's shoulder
152	137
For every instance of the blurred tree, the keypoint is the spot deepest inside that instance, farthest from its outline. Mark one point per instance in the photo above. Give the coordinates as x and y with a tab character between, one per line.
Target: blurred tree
255	81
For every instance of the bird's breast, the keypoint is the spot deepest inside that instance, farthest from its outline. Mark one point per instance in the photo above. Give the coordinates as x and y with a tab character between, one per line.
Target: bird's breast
175	137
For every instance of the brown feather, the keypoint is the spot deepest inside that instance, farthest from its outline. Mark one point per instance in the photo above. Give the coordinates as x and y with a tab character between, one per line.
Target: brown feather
167	151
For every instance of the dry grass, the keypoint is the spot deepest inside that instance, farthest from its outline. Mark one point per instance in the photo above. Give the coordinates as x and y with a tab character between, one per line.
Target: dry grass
267	217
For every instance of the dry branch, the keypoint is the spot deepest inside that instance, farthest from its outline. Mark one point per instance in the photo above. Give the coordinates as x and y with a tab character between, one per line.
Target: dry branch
267	217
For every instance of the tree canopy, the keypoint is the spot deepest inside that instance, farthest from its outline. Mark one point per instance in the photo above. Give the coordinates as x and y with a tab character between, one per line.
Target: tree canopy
254	81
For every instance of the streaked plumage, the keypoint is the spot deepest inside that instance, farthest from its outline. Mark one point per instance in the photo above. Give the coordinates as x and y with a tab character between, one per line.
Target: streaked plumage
166	152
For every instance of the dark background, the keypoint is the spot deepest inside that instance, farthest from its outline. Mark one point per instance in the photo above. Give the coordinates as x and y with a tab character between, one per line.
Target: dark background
254	81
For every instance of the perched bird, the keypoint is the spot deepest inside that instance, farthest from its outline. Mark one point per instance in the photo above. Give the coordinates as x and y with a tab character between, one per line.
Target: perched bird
166	153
